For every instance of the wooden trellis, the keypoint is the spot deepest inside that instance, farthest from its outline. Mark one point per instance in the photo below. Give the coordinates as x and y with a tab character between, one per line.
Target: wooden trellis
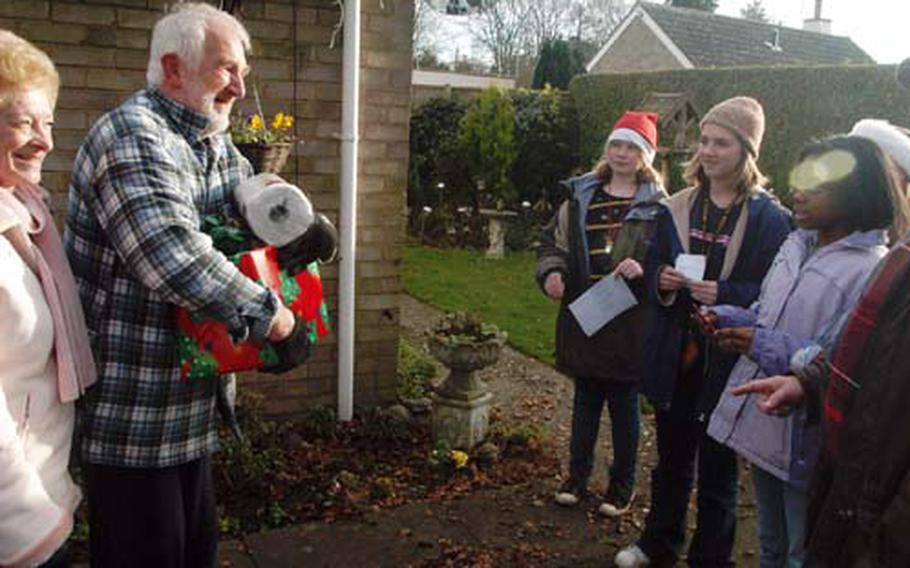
677	129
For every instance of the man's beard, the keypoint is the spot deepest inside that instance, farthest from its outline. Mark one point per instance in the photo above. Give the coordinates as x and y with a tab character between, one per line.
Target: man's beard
218	121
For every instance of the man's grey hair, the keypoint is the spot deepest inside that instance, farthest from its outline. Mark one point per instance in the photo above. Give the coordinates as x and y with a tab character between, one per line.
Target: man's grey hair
183	31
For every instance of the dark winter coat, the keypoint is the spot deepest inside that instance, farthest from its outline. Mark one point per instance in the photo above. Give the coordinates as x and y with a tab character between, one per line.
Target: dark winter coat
761	228
859	506
614	352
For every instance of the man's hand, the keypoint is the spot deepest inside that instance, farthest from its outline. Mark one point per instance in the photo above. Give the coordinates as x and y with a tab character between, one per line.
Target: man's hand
291	351
735	339
670	279
776	395
554	285
629	269
282	324
704	291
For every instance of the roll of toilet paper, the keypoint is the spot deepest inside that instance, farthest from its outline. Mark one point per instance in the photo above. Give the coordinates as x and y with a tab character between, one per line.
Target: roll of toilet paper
278	212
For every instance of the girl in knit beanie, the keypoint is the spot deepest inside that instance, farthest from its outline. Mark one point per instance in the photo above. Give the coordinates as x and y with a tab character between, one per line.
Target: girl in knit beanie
600	234
713	244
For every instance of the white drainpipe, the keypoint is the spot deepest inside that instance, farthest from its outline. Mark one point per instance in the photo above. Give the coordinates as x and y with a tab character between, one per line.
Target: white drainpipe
350	113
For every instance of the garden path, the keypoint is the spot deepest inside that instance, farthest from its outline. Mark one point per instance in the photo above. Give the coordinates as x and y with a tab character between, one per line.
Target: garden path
513	526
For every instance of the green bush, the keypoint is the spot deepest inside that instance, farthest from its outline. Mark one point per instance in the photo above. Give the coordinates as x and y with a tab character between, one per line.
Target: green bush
379	425
319	422
800	103
486	143
433	160
415	371
544	150
546	134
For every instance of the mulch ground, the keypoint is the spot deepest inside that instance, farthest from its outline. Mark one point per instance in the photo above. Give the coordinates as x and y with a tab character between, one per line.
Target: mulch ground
373	493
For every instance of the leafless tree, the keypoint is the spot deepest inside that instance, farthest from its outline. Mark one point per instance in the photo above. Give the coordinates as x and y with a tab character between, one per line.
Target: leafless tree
501	28
420	34
546	21
755	11
512	31
592	21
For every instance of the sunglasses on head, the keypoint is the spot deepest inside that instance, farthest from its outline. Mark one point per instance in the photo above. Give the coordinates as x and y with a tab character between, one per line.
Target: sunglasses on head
817	172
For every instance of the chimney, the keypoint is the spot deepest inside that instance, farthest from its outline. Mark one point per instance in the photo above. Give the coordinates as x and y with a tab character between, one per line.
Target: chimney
818	24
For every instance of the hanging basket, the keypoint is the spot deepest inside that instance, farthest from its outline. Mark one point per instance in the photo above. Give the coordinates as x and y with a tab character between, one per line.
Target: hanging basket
266	158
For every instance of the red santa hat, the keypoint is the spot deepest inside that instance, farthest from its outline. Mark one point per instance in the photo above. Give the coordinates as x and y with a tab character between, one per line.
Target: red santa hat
639	128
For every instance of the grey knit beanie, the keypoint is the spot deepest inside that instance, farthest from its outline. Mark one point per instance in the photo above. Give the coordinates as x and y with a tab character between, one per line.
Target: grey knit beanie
744	117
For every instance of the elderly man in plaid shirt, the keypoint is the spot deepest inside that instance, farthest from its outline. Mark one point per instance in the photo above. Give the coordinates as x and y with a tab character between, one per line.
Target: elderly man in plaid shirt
143	180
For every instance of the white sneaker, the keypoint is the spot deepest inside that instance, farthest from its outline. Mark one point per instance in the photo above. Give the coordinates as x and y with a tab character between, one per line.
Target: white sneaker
570	494
566	498
631	557
617	502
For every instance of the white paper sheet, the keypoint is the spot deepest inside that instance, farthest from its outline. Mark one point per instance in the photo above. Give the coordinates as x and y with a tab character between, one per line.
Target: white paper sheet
601	303
692	266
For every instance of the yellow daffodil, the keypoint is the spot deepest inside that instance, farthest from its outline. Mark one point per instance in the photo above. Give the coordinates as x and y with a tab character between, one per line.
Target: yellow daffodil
459	458
256	122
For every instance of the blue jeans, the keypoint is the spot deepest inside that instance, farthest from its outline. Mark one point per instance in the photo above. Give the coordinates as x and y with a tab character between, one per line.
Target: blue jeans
781	520
587	406
683	445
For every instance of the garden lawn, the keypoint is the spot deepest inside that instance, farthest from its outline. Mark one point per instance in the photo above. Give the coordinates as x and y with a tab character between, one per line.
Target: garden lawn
502	292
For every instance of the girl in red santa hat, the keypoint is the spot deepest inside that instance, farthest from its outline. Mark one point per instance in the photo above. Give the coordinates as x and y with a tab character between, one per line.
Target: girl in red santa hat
602	231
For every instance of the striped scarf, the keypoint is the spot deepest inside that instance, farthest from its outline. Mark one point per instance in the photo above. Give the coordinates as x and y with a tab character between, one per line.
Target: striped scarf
843	379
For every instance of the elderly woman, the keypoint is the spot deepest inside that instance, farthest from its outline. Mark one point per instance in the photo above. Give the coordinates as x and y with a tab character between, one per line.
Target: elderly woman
45	361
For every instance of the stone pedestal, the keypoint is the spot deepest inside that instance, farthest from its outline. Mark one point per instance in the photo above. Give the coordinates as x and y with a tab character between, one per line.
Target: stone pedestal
496	231
462	424
461	403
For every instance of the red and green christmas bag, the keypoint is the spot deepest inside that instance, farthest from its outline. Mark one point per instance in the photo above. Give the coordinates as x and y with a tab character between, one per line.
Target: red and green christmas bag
205	347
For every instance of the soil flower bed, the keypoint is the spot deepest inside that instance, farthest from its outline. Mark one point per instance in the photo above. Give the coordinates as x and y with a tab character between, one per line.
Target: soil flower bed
316	469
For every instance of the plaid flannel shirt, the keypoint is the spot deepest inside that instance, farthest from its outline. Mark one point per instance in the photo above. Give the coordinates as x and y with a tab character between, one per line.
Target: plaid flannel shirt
142	182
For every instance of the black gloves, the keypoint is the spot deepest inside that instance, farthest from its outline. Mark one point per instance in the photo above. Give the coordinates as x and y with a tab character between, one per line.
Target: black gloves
319	242
292	351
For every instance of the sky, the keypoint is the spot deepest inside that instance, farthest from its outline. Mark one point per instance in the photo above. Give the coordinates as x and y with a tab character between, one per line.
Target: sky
880	27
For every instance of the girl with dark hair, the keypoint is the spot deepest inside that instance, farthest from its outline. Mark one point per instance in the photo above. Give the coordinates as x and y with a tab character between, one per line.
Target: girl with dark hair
730	227
845	198
859	496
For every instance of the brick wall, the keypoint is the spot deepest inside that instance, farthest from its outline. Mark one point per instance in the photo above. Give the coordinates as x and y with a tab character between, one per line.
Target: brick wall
100	48
636	50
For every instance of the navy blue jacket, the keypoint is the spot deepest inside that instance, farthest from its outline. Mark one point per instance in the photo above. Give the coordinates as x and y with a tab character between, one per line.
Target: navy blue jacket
767	225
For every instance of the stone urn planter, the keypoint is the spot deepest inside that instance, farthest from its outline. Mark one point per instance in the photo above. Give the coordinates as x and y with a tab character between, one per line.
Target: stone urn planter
461	403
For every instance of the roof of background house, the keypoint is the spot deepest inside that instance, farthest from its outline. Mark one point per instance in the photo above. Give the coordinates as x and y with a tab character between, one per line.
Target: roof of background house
712	40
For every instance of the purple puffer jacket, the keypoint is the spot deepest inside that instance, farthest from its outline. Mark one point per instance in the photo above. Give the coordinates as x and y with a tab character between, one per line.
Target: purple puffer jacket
802	294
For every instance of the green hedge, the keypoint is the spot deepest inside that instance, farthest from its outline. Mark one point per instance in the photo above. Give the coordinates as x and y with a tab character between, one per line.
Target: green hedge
800	103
